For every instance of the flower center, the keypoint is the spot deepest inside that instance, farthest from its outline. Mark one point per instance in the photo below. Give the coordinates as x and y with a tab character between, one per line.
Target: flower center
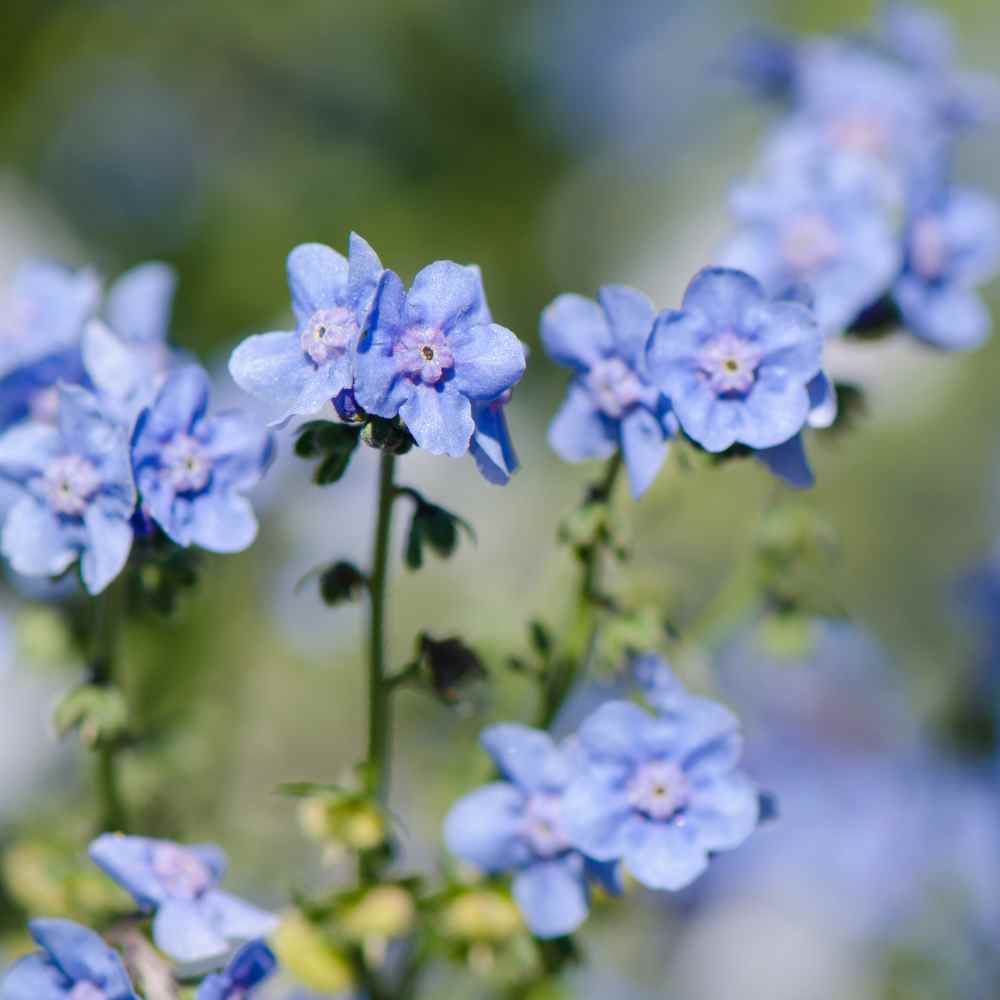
543	825
423	354
70	483
860	132
809	243
185	464
659	789
614	386
928	248
44	405
182	873
730	362
86	991
328	334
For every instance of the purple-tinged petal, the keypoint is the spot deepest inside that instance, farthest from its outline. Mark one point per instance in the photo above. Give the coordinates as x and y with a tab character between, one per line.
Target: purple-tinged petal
27	449
109	541
240	450
575	332
138	306
489	360
951	317
446	296
180	404
486	827
252	964
84	423
552	896
440	419
317	277
36	542
788	462
491	445
82	955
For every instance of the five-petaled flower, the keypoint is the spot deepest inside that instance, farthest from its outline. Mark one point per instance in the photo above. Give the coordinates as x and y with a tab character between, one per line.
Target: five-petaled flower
611	401
74	964
660	792
244	972
735	364
195	921
299	371
193	467
518	825
433	354
77	493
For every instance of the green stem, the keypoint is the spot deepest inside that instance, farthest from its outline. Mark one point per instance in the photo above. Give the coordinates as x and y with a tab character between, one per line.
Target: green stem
378	689
107	623
582	636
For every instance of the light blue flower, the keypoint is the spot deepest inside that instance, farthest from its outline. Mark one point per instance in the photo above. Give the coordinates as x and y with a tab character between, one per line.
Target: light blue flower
611	402
43	312
952	245
192	468
195	921
77	493
299	371
245	971
126	356
433	352
820	220
735	364
491	445
74	964
660	793
517	825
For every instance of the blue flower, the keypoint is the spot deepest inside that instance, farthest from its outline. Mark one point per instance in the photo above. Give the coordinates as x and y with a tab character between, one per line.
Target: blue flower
195	921
952	245
432	352
735	365
246	970
193	467
660	792
74	964
517	825
78	493
42	315
298	372
611	401
820	220
126	356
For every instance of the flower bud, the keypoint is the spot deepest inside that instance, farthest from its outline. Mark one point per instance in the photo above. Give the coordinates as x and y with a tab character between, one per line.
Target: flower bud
386	911
481	915
303	949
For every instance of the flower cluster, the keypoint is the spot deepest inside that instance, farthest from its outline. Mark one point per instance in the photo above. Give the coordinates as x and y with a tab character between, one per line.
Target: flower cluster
430	356
731	367
195	923
653	794
111	433
854	197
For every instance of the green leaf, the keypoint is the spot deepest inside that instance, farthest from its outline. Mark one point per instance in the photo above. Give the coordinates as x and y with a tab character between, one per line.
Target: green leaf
332	443
433	526
99	713
541	639
341	582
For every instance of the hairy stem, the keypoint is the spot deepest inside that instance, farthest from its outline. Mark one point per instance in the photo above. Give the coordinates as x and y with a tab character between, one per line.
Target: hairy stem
378	689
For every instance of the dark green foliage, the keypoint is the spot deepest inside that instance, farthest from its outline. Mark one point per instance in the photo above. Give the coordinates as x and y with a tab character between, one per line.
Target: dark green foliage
332	443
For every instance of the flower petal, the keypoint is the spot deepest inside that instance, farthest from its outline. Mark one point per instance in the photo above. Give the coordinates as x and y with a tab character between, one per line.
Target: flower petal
485	827
37	542
489	360
614	732
379	386
644	446
364	272
724	811
491	444
446	296
522	754
222	522
138	306
788	462
552	896
723	296
182	930
82	955
34	978
240	450
317	277
630	315
950	317
127	860
575	332
664	855
596	817
822	401
252	964
440	419
236	919
579	430
27	449
109	541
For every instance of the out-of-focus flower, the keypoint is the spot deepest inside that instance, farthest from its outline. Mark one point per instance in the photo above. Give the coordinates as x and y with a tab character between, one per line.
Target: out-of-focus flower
195	921
735	365
952	245
611	403
822	221
246	970
660	793
126	356
298	372
192	468
78	494
433	352
74	964
42	316
518	825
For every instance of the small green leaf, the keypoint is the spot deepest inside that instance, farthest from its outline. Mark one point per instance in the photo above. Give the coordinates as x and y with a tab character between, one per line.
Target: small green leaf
341	582
99	713
541	639
433	526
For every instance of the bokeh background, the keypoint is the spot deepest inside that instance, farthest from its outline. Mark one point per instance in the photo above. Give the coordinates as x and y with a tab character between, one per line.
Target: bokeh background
560	144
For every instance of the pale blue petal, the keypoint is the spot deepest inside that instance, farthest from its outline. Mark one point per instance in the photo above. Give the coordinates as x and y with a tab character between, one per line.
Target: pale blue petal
234	918
138	306
723	811
37	542
952	318
596	817
446	295
775	409
127	860
489	360
109	541
85	425
181	929
630	316
439	418
317	277
491	445
34	978
788	462
614	732
82	954
365	270
575	332
485	828
379	386
723	296
664	855
521	753
552	896
26	450
822	402
579	431
222	522
240	450
644	446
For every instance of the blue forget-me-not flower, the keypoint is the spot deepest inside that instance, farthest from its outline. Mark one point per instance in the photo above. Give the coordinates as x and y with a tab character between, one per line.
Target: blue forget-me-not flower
297	372
660	792
193	467
74	964
611	402
194	920
432	353
518	825
735	364
244	972
77	492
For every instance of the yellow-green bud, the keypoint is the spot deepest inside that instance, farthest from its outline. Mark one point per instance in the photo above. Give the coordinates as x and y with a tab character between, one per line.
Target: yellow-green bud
303	949
386	911
482	915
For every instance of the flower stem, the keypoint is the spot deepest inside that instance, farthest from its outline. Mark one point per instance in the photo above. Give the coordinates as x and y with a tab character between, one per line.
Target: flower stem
107	623
378	689
582	638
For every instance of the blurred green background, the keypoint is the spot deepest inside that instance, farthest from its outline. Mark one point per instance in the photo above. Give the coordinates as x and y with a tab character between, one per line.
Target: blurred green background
560	144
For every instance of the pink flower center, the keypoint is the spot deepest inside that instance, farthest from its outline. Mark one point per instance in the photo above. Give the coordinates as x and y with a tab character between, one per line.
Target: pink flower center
730	363
185	464
614	386
70	483
543	825
659	789
423	353
860	132
181	872
928	248
809	243
328	334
